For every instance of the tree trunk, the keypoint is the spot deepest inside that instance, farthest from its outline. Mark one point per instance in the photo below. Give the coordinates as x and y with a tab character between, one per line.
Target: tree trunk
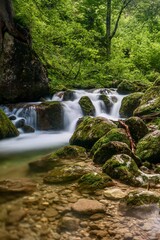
108	29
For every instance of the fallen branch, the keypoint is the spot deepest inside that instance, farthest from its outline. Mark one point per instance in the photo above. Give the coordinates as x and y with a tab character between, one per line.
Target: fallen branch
132	144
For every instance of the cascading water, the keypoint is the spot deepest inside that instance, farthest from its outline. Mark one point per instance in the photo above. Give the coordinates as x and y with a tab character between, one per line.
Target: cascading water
72	112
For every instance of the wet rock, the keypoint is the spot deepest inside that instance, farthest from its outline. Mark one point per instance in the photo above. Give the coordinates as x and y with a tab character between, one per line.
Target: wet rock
28	129
114	193
15	216
116	134
12	117
65	174
107	102
129	104
22	77
106	151
150	102
68	95
20	123
87	106
4	235
147	149
138	198
137	128
50	116
68	224
87	206
89	130
132	86
94	181
7	129
123	168
59	158
17	186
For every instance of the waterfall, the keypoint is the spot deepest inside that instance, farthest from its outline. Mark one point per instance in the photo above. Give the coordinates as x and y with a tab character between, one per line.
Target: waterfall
71	113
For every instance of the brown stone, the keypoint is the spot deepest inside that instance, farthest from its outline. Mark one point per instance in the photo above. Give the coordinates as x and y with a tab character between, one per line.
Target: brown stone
87	206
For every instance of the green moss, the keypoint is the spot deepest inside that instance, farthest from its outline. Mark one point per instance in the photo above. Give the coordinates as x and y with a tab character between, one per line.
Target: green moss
65	174
132	86
123	168
147	148
140	198
116	134
89	130
94	181
87	106
7	129
130	103
69	152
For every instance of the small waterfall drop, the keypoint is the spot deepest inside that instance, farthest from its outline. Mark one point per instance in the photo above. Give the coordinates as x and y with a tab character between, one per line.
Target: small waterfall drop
71	113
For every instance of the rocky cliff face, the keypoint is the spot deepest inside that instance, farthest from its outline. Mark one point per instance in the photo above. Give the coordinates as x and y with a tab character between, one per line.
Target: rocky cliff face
22	75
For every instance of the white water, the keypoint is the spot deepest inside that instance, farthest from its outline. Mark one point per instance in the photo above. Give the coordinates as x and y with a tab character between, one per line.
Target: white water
72	112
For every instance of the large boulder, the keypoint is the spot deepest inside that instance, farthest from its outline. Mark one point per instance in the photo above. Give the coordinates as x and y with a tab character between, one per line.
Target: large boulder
7	129
89	130
148	147
106	151
129	104
87	106
150	102
137	128
127	86
50	116
22	75
65	174
123	168
62	156
115	134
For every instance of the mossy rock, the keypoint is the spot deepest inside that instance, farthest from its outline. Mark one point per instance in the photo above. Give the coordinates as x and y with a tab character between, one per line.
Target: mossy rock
123	168
130	103
58	158
65	174
50	116
7	129
148	147
127	86
87	106
94	181
89	130
137	128
150	102
116	134
106	151
138	198
68	95
107	102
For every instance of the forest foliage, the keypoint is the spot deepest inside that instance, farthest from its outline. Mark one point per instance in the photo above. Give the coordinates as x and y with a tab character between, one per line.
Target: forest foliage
69	37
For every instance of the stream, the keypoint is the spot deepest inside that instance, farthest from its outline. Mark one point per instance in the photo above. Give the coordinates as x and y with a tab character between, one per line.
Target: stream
16	152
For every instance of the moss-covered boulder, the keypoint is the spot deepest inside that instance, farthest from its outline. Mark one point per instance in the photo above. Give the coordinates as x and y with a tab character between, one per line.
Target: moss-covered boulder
123	168
65	174
89	130
50	116
150	102
138	198
107	102
94	181
64	155
137	128
148	147
130	103
87	106
115	134
127	86
106	151
7	129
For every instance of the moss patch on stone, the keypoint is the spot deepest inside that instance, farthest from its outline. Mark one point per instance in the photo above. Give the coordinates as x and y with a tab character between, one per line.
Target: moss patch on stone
123	168
148	147
87	106
130	103
7	129
89	130
127	86
116	134
94	181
